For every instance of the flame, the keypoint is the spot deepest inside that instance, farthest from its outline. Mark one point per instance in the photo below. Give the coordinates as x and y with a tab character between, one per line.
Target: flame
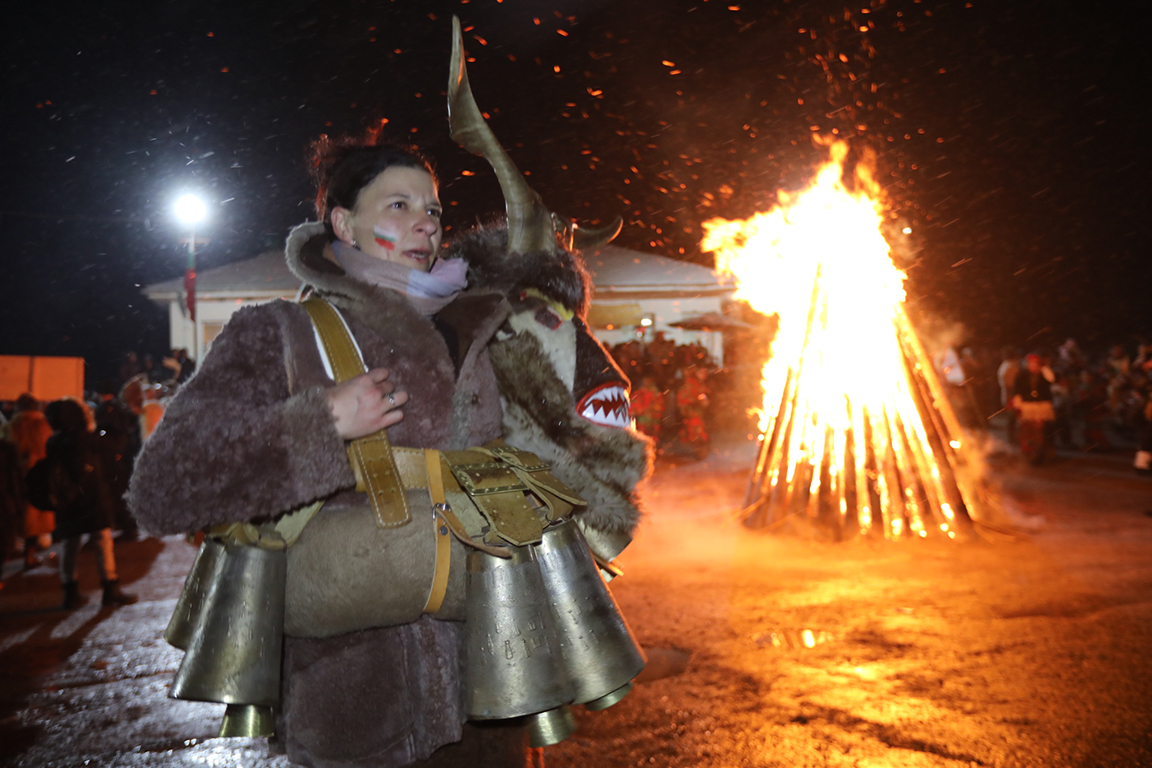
840	417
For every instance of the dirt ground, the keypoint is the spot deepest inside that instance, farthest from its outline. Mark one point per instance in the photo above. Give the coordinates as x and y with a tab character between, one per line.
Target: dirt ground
1025	652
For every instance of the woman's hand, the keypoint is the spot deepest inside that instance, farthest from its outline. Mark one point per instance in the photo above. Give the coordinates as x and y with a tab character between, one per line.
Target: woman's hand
365	404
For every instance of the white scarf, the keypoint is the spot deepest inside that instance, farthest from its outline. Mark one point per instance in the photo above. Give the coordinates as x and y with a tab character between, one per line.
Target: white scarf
428	292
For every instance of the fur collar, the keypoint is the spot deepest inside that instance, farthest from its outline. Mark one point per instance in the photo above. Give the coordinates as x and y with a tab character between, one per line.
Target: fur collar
304	253
561	275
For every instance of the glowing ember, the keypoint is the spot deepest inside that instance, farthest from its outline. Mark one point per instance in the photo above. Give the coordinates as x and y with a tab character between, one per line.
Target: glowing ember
854	424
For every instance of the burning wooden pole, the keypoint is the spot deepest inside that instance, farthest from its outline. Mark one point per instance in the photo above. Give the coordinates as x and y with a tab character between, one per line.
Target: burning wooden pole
857	435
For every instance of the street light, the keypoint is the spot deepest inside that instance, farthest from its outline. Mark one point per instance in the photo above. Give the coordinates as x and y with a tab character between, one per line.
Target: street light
190	211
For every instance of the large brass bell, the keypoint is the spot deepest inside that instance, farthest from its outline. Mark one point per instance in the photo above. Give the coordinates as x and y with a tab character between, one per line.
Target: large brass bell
191	601
599	652
234	646
513	664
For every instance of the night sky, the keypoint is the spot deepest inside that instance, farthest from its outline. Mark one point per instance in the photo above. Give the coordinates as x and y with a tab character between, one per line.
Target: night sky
1011	136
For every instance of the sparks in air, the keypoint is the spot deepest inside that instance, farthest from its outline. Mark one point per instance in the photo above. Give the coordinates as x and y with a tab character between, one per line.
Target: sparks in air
856	432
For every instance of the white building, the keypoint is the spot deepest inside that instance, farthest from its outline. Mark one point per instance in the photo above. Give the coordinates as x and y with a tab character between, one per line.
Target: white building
634	293
638	292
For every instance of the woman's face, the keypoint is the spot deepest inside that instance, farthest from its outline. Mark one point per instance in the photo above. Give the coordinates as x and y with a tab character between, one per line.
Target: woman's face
396	218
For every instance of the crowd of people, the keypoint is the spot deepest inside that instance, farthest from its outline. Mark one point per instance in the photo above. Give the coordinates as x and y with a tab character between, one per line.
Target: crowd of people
1079	400
671	392
1064	398
65	466
173	370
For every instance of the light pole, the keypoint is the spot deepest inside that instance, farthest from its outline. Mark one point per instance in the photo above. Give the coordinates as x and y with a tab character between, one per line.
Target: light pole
190	210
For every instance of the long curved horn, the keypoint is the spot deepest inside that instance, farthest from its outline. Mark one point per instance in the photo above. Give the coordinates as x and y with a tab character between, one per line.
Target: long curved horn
587	238
529	222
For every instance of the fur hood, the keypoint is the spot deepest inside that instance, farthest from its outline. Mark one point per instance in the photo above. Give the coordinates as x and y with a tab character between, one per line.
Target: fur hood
561	276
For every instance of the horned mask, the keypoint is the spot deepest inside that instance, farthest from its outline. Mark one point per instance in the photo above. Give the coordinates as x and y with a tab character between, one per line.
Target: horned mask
531	227
564	398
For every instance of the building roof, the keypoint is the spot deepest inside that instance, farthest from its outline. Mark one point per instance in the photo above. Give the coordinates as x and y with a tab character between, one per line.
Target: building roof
616	271
265	275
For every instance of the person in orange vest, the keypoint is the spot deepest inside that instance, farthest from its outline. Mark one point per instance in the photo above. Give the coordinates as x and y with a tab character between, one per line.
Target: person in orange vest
692	401
648	408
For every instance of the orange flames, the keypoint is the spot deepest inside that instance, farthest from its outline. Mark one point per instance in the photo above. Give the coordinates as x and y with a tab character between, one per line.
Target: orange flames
854	424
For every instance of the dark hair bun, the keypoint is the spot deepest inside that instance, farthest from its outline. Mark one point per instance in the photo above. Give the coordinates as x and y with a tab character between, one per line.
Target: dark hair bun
341	167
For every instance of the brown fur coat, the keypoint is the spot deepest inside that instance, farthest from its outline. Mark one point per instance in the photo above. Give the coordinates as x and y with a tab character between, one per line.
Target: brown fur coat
251	437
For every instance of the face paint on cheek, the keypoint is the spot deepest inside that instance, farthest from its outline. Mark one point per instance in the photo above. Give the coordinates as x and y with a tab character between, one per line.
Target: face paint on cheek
384	238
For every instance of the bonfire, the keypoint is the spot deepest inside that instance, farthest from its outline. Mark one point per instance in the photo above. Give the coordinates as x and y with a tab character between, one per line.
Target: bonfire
856	434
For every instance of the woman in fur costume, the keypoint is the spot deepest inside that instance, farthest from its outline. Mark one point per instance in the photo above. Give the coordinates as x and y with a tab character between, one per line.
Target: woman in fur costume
261	430
484	340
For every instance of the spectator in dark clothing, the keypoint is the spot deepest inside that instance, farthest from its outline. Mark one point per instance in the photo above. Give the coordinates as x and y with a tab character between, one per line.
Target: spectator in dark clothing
1118	361
187	365
1090	412
662	361
12	502
78	488
1070	359
119	431
150	371
630	357
129	367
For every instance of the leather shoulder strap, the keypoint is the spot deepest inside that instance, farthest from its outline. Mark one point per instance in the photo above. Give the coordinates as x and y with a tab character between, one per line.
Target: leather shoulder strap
338	345
371	457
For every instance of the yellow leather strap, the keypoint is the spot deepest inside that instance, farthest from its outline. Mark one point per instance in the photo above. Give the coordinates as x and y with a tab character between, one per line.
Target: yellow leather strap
371	456
276	536
443	535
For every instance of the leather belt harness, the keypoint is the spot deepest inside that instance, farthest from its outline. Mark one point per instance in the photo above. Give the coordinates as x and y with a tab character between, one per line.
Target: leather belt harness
507	496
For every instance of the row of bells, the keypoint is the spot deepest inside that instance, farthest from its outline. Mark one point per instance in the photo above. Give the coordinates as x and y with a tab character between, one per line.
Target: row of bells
542	633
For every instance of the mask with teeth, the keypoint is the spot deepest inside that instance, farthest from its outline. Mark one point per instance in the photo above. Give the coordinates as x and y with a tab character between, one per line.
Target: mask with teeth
598	388
565	400
563	396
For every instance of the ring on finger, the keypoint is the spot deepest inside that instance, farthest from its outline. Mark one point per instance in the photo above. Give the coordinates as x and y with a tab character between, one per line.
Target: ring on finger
391	400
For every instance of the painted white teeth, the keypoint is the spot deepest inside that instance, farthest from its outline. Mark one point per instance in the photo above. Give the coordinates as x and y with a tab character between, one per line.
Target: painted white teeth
607	406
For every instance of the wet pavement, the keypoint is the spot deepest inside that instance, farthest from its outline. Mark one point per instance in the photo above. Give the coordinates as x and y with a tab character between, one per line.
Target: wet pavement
90	687
1032	651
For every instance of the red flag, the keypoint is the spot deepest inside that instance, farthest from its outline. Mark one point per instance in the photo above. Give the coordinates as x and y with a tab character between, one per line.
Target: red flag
190	292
